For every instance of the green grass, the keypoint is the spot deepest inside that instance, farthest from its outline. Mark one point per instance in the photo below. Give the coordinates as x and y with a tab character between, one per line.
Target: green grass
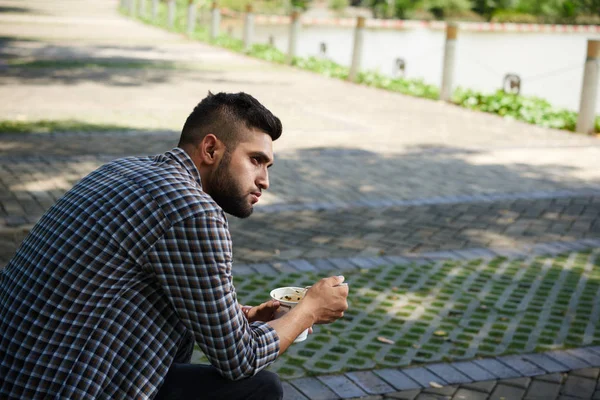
354	342
56	126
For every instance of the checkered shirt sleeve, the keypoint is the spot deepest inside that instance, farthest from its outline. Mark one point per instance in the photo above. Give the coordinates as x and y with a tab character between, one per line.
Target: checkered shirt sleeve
192	262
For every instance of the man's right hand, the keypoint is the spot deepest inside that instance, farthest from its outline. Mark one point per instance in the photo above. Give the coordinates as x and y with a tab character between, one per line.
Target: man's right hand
326	300
323	303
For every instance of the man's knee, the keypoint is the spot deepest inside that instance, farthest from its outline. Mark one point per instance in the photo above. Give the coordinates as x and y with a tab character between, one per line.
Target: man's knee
270	385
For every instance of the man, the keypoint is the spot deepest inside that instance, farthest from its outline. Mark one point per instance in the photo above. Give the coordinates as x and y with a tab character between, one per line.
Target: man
107	294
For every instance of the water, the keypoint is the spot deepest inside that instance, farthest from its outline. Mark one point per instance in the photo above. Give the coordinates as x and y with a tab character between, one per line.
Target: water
550	65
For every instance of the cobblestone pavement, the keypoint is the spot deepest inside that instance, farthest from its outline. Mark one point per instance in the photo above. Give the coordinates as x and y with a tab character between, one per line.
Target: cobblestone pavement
363	178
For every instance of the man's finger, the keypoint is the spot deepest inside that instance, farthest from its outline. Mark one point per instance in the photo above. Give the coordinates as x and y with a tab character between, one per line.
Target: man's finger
335	280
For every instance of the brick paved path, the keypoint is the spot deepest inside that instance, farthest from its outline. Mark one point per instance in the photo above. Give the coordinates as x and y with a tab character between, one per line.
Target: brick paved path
359	172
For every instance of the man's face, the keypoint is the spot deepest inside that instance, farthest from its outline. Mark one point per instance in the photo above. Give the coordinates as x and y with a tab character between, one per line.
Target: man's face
242	174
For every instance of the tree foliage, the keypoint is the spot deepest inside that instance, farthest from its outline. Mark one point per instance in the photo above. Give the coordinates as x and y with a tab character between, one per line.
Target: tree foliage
550	11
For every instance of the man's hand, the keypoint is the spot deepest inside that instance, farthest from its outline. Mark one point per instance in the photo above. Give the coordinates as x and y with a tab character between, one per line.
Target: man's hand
264	312
326	300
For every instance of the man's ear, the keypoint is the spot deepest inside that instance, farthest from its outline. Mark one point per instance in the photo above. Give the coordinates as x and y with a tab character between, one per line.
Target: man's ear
211	149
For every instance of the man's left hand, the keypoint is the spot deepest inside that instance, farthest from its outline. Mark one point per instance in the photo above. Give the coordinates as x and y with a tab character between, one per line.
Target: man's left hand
264	312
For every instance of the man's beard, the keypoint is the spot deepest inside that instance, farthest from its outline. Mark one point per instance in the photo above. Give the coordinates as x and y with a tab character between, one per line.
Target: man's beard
226	193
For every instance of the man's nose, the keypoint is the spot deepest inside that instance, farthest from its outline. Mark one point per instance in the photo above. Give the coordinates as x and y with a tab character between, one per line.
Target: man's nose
263	180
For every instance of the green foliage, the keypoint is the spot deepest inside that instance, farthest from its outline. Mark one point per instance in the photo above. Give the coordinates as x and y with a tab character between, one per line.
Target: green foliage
322	66
47	126
487	8
403	8
529	109
302	4
411	87
338	5
268	53
441	8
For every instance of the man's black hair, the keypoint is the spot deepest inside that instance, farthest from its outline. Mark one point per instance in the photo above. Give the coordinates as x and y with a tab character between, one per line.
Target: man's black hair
223	113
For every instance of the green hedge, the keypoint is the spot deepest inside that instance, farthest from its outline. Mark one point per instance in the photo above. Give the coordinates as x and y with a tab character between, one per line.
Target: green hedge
528	109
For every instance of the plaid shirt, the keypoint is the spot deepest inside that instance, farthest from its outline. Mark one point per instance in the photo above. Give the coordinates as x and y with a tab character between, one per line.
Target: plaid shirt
113	276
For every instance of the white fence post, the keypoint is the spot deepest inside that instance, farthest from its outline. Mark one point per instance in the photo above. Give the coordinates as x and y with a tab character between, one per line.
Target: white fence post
449	61
359	34
589	90
249	28
294	32
171	14
142	8
215	21
191	17
154	10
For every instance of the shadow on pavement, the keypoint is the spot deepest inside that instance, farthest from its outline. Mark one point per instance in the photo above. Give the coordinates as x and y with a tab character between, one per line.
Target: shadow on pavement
36	171
30	61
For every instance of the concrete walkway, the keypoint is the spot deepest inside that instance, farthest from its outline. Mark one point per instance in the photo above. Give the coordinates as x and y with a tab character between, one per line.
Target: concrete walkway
359	172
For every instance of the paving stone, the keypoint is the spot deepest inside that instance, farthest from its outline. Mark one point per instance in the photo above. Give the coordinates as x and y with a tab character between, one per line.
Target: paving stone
443	391
313	389
520	365
429	396
342	386
542	390
522	383
497	368
404	395
595	349
397	379
302	265
556	378
590	373
484	386
283	266
467	394
448	373
291	393
567	359
242	270
506	392
369	382
473	371
323	265
342	264
586	355
546	363
363	262
423	376
264	269
578	386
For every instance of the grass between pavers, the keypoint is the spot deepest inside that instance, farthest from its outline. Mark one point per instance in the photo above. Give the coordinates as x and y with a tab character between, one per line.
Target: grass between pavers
57	126
445	311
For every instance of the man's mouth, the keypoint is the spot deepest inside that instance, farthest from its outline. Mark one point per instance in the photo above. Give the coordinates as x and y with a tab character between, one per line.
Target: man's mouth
254	197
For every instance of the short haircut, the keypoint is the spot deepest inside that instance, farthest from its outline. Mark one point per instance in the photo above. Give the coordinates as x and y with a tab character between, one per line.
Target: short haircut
222	114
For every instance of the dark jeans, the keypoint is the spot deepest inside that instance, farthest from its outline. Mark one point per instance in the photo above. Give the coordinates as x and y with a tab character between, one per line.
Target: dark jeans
186	381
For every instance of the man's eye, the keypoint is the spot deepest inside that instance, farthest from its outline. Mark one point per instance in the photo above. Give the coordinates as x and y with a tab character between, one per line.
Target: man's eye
255	160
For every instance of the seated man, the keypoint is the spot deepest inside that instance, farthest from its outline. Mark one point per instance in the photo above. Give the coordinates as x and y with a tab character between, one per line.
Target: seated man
111	288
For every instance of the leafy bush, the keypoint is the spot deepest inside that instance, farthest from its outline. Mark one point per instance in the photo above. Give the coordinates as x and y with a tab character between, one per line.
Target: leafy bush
529	109
411	87
322	66
268	53
338	5
513	16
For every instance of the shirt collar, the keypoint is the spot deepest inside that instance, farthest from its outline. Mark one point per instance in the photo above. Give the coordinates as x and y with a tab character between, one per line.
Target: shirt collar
179	155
